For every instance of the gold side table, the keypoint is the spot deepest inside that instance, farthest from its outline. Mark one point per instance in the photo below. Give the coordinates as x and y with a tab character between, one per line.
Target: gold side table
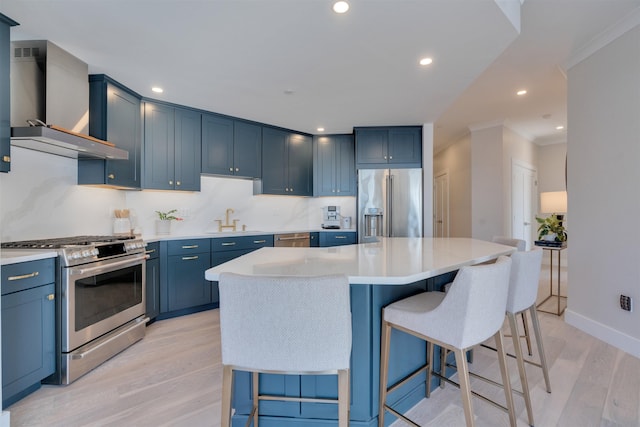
558	250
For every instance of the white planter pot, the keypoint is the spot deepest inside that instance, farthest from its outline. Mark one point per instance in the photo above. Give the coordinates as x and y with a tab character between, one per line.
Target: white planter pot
550	237
163	226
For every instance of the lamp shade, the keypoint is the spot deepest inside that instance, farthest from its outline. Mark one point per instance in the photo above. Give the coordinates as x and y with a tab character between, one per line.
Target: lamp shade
553	202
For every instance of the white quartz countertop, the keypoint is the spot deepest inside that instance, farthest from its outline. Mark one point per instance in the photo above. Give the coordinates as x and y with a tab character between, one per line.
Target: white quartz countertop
215	234
391	261
14	256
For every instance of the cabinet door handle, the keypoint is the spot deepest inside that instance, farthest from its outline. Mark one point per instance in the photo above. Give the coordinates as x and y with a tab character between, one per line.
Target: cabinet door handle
177	182
237	169
24	276
257	242
50	297
6	159
170	182
189	258
228	244
189	246
230	169
390	157
111	176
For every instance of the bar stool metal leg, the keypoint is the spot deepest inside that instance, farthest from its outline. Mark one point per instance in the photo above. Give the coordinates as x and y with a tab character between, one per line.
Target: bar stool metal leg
384	370
343	398
502	360
543	359
515	334
227	386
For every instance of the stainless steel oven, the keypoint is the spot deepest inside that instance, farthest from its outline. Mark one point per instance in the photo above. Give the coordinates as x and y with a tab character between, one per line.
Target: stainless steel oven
101	300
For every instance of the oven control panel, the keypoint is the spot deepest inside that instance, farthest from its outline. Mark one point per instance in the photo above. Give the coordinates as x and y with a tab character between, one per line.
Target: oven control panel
76	255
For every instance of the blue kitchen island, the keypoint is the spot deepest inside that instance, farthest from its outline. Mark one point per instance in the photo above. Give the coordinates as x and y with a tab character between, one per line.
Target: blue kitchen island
380	273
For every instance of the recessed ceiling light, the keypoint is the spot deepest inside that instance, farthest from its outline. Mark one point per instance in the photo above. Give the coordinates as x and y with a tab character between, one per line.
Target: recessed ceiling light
320	129
559	127
426	61
157	89
521	92
340	7
289	91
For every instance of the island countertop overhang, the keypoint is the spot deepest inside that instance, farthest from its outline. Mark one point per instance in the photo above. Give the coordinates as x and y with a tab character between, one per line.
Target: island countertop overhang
390	261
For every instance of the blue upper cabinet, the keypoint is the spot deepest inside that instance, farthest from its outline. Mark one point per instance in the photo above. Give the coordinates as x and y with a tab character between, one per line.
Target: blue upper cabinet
334	172
172	148
231	147
382	147
115	115
5	112
287	163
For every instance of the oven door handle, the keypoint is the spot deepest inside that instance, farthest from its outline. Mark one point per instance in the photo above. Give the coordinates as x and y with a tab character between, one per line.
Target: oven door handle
108	267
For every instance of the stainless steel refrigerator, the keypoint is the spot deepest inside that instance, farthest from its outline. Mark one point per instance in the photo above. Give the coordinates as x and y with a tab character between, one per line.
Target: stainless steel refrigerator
389	203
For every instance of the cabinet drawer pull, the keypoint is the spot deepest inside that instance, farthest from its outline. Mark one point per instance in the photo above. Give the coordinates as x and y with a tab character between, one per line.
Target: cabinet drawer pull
51	297
6	159
24	276
228	244
340	237
189	246
189	258
257	242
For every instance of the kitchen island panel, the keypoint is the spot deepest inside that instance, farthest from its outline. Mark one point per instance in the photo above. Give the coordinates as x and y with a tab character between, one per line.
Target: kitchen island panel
380	273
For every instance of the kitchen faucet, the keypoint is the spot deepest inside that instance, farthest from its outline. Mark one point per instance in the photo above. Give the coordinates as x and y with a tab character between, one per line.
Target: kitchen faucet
231	226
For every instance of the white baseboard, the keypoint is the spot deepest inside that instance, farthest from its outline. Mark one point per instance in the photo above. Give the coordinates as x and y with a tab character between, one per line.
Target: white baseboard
605	333
5	420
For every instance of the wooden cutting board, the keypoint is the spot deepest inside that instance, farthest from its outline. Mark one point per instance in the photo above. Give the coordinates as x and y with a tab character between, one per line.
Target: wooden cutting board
101	141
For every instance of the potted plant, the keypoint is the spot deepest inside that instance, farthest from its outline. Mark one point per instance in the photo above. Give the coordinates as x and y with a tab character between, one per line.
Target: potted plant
551	229
163	223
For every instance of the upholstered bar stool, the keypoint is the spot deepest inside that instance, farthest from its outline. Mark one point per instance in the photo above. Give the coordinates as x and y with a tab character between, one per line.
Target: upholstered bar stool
470	313
285	325
523	291
520	245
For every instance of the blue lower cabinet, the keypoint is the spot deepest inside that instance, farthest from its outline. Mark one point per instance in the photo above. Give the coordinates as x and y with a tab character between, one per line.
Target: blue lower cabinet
28	327
225	249
182	282
337	238
314	239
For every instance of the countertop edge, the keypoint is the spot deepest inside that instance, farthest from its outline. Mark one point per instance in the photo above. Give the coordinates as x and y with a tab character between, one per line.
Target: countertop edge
8	256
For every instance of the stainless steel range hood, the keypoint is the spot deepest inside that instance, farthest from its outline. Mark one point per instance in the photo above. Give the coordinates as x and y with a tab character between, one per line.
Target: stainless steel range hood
60	143
49	85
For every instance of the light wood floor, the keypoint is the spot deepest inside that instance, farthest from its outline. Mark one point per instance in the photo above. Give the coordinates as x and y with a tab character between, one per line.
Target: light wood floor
173	378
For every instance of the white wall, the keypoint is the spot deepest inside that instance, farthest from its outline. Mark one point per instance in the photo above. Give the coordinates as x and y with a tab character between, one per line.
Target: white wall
456	160
551	160
39	198
487	183
604	191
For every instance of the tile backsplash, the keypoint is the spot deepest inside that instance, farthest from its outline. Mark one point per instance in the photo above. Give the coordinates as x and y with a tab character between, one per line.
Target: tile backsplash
39	198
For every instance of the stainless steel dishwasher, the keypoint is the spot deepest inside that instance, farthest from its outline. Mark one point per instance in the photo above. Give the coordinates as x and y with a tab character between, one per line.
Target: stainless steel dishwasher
298	240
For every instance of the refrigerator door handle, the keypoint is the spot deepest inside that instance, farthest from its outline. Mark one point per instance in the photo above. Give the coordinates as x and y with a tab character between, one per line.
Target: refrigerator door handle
390	207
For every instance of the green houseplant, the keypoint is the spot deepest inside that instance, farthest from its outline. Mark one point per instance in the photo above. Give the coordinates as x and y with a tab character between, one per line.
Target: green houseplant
163	223
551	228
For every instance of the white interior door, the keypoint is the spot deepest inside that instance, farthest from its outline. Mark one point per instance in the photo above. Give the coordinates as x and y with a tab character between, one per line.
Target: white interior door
441	205
524	190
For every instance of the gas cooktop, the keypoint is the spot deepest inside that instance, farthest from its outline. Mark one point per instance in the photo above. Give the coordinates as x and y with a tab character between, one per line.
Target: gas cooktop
62	242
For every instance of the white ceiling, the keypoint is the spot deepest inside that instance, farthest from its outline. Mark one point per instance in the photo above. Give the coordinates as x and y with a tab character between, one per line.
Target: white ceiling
243	57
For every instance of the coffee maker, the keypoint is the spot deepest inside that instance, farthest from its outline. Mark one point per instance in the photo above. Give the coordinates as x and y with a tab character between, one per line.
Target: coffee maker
331	217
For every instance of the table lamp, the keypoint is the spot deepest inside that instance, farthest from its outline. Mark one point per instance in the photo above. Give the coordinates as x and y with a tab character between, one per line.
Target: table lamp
554	202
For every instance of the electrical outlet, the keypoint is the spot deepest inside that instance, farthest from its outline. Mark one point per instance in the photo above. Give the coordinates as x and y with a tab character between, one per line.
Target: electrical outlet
626	303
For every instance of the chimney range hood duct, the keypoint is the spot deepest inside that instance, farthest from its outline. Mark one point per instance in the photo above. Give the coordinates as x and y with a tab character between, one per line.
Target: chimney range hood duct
49	85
